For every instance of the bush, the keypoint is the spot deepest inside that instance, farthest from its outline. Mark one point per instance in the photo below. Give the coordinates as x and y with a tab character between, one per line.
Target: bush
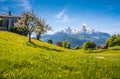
76	47
49	41
114	40
19	31
59	43
89	45
66	44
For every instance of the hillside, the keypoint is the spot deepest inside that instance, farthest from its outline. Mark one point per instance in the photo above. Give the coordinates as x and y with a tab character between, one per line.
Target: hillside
39	60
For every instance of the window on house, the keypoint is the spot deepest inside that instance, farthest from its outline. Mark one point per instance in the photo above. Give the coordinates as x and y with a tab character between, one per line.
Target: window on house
0	22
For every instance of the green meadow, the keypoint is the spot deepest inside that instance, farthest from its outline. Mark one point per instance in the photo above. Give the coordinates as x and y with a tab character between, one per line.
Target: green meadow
40	60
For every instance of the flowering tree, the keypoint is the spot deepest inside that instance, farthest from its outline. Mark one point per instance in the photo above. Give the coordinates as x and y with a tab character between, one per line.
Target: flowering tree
41	28
32	23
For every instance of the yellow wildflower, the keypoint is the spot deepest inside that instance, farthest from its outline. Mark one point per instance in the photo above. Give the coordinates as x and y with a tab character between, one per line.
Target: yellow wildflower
66	71
59	75
77	73
31	62
5	75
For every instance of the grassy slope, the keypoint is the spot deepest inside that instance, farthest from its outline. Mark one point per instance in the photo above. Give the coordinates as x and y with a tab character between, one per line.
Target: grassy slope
39	60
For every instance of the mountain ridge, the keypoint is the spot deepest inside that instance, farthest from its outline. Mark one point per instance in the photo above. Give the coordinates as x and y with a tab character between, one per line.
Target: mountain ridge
82	30
78	36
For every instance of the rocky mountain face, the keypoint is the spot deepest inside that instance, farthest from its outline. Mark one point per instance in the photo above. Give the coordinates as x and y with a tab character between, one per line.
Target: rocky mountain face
78	36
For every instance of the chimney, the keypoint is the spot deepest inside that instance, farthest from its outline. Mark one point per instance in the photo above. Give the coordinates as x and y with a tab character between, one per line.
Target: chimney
9	13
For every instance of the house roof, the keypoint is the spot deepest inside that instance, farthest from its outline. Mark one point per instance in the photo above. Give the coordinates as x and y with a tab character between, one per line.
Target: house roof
9	16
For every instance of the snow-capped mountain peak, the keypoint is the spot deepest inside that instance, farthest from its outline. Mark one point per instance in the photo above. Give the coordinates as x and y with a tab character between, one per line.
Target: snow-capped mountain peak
85	29
66	30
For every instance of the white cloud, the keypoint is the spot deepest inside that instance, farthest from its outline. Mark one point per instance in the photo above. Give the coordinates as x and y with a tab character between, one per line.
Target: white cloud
15	5
62	17
59	15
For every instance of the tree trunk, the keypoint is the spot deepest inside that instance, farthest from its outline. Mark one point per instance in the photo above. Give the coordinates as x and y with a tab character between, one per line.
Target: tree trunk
38	36
29	37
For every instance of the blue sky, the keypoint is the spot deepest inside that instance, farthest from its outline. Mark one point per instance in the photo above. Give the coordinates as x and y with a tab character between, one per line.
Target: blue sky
102	15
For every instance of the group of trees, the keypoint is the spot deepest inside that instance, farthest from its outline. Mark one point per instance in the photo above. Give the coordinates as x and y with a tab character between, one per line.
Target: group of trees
65	43
89	45
28	23
114	40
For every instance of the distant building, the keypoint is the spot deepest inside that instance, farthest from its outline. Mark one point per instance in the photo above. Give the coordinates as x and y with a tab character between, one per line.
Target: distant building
7	21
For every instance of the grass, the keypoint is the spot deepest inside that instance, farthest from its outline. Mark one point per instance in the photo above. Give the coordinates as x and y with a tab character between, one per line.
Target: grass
39	60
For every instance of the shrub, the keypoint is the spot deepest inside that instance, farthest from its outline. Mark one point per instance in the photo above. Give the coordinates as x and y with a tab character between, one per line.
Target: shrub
66	44
18	30
89	45
114	40
59	43
49	41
